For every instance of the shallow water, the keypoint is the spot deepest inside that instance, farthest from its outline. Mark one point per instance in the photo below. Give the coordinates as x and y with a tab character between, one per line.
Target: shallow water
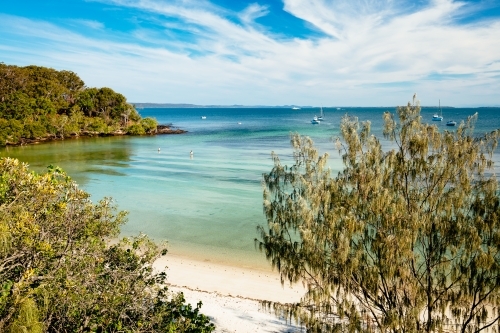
207	205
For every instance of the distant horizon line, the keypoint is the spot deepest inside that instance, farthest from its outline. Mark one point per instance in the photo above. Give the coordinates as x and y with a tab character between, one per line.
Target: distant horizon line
188	105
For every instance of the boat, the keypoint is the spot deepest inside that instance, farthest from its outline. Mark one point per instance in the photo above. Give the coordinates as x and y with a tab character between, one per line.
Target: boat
439	117
315	121
295	108
320	118
203	117
451	123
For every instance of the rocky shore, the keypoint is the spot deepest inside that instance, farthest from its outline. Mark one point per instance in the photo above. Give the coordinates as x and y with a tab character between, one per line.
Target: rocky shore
167	129
160	129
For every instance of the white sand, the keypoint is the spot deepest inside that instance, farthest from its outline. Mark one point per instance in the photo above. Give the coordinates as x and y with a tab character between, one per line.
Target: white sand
233	314
230	295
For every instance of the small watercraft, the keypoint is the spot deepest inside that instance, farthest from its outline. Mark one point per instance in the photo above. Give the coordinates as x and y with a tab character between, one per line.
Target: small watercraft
439	117
451	123
320	118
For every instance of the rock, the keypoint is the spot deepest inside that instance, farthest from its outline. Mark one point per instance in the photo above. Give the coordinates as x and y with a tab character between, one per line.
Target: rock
161	129
167	129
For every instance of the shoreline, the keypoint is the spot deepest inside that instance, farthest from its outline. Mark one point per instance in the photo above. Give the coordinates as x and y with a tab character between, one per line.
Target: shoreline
231	295
227	280
232	314
160	130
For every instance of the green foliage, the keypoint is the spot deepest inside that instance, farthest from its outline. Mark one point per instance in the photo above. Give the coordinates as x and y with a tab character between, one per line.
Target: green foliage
27	319
136	129
149	125
86	101
10	131
58	272
406	240
33	129
44	102
145	126
97	125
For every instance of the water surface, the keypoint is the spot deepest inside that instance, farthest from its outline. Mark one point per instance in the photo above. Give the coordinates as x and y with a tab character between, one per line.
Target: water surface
207	205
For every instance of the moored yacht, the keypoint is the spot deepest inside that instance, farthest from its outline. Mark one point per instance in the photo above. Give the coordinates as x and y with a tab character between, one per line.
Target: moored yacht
320	118
438	117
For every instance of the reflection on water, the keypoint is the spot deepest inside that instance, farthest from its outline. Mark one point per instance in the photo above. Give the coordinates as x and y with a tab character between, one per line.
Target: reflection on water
80	158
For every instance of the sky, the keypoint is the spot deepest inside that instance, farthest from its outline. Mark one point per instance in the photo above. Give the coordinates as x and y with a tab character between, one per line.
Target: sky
266	52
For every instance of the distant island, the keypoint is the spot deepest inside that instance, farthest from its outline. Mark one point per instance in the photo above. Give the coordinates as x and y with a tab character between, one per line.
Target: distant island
239	106
185	105
42	104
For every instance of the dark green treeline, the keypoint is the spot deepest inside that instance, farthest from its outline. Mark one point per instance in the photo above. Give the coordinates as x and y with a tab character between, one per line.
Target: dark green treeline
39	103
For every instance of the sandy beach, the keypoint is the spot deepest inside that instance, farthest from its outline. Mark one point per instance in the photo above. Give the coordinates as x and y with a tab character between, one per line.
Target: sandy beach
231	295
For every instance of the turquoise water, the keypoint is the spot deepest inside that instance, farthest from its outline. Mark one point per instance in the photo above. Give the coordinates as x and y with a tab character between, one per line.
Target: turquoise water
206	205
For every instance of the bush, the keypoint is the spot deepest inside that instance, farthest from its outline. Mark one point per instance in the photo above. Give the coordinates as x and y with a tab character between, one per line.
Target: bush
149	125
136	129
33	130
97	124
59	274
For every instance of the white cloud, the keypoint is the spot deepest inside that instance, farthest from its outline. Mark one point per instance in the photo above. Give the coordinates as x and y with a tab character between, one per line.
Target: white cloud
373	53
253	12
88	23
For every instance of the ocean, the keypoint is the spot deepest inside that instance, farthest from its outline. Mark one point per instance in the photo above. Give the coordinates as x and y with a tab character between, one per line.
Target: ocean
206	205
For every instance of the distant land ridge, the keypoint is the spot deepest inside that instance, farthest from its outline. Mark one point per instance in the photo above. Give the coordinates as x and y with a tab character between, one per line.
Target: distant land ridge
185	105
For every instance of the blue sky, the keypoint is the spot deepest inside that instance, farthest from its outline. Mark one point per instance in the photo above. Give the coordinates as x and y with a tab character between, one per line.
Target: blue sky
273	52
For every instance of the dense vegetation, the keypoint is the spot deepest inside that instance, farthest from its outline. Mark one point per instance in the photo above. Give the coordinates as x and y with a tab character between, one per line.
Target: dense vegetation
403	240
39	103
60	273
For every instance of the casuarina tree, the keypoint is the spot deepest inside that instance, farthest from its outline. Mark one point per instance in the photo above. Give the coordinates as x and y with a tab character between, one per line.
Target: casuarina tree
405	238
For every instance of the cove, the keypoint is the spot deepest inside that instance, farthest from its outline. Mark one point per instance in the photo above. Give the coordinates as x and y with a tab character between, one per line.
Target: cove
206	205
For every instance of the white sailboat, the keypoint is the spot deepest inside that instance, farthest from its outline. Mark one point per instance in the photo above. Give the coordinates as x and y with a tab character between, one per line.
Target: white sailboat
320	118
438	117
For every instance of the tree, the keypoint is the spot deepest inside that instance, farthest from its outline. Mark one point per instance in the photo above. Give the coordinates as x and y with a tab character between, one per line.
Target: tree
110	104
87	101
404	240
60	272
39	98
71	81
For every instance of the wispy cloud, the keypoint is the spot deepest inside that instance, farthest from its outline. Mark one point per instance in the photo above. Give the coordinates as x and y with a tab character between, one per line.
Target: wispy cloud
371	53
87	23
253	12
